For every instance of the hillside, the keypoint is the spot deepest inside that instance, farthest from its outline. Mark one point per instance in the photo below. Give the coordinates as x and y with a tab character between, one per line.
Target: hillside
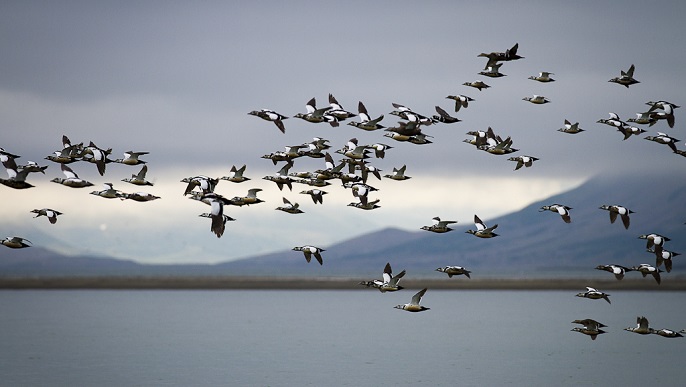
531	243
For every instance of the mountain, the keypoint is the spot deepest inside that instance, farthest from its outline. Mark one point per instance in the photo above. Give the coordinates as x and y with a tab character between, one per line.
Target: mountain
530	242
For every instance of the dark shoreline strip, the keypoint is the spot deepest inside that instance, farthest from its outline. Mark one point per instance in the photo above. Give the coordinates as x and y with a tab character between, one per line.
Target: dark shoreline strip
332	283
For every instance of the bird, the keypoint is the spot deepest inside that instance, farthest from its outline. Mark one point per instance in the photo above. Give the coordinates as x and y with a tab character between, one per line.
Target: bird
523	161
481	230
480	85
589	321
454	270
68	154
594	294
398	174
48	213
72	179
139	178
667	112
656	241
16	178
444	117
132	158
16	242
617	270
570	128
366	123
388	283
560	209
492	71
615	210
337	110
290	153
643	119
317	195
500	148
629	131
317	115
369	205
461	101
439	226
139	196
613	121
408	114
663	138
483	138
216	213
413	305
359	152
271	115
97	156
665	257
360	191
537	99
108	192
205	183
250	198
380	149
366	169
664	332
31	166
495	57
590	327
642	326
309	251
627	78
289	207
281	177
646	269
543	76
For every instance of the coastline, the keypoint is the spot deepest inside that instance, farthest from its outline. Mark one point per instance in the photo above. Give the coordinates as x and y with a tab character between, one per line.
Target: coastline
329	283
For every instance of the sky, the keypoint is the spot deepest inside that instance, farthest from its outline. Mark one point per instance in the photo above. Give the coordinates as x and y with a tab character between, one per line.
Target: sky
177	80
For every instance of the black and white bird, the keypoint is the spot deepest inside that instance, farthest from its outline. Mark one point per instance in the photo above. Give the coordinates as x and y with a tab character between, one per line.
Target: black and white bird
290	207
439	226
626	78
646	269
617	210
413	305
454	270
482	231
310	251
642	326
617	270
560	209
48	213
388	283
594	294
216	213
271	115
139	178
15	242
461	101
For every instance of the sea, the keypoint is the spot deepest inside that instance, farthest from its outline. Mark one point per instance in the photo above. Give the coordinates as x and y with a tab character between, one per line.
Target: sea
335	338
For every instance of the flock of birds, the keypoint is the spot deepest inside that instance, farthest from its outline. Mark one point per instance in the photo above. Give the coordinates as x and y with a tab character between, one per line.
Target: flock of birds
354	171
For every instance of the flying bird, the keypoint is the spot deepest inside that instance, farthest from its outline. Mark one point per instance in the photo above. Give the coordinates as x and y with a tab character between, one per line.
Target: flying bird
413	305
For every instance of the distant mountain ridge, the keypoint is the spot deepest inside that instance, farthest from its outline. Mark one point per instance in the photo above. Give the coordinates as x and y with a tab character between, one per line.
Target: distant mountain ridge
529	241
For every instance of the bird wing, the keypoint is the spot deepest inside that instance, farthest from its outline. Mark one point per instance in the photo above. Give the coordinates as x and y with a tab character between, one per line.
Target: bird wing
69	173
417	298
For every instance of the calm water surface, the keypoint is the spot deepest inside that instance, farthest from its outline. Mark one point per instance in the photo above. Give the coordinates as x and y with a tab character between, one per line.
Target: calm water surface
321	338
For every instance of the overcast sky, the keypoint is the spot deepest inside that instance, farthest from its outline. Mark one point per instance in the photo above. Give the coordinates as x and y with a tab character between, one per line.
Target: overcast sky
177	80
